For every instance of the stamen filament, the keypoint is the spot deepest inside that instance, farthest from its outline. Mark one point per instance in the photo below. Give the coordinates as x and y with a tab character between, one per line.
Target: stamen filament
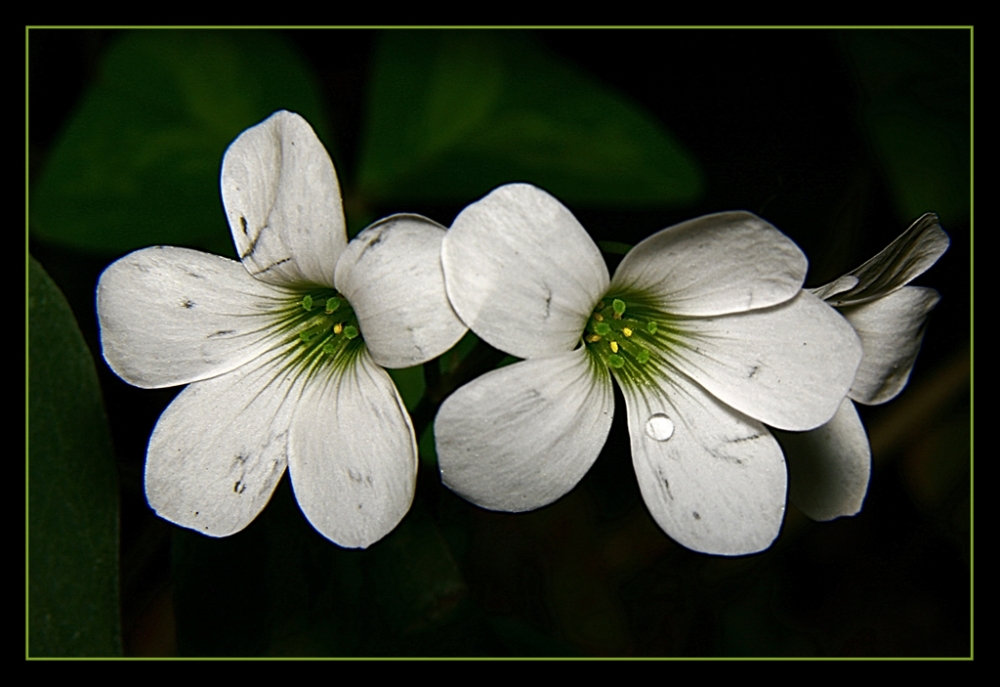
318	330
635	342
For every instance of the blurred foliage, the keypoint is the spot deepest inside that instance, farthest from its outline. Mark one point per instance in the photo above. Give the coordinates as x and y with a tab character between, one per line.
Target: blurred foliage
138	163
411	385
456	114
279	588
917	112
72	489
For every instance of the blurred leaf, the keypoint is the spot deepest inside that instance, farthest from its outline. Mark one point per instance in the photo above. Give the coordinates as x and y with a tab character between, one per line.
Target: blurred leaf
72	489
614	247
427	445
450	361
416	582
454	114
139	162
411	385
917	87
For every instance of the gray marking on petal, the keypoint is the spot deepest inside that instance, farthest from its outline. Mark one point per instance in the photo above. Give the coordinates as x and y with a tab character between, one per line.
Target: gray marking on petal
272	266
222	332
188	304
740	440
666	483
375	240
695	514
723	456
253	242
411	330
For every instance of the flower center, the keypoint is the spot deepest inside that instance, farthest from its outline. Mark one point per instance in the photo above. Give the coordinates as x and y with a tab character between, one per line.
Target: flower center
324	327
630	337
617	338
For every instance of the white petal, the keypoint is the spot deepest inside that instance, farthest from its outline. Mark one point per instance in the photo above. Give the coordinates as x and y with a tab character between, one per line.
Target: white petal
891	329
839	285
283	202
829	467
521	271
714	265
522	436
788	366
391	275
899	263
713	479
218	450
353	455
170	316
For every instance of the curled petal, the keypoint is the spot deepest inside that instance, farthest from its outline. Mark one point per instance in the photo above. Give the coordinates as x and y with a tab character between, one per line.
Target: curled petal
714	265
218	451
713	479
788	366
899	263
829	467
891	329
519	256
170	316
839	285
522	436
353	455
391	274
283	202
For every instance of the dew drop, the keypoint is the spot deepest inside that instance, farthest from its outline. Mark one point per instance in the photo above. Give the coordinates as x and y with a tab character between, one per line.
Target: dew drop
659	427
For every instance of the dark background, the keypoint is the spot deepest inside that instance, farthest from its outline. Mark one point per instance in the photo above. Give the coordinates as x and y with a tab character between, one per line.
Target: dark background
775	118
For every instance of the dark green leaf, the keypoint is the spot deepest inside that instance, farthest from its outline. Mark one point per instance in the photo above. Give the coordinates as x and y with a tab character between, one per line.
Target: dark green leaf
72	491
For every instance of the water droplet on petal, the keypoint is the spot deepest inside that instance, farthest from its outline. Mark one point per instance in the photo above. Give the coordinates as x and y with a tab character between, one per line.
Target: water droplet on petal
659	427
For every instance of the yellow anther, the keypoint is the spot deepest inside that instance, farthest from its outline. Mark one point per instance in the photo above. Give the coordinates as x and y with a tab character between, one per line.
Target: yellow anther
599	317
614	346
626	331
593	338
337	328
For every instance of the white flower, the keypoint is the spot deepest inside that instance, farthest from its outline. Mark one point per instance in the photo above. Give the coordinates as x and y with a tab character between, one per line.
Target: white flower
704	326
830	466
283	354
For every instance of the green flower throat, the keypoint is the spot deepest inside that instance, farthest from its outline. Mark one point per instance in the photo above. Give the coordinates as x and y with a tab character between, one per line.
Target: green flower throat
629	337
325	326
